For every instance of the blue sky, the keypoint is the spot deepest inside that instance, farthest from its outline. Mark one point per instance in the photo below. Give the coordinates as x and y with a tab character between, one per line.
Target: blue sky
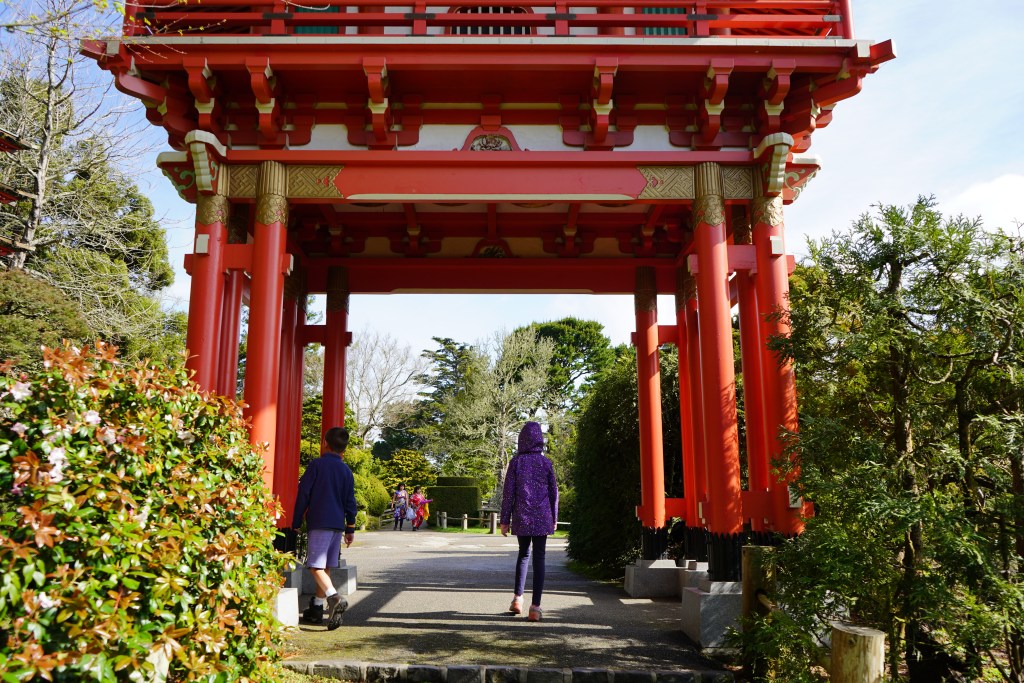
944	118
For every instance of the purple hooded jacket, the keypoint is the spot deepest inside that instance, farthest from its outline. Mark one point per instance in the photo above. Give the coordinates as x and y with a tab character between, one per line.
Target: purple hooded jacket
529	499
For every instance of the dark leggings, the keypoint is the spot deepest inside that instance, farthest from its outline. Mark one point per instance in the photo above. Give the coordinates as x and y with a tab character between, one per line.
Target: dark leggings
539	549
400	522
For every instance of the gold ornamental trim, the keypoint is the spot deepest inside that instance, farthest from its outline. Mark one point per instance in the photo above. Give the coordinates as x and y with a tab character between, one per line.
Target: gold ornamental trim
212	208
708	179
273	179
646	297
767	210
686	288
243	181
313	182
295	285
709	209
667	182
737	182
271	208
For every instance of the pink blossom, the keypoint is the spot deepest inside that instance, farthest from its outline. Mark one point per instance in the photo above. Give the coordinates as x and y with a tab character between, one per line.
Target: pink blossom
16	489
46	602
19	429
20	391
91	417
57	458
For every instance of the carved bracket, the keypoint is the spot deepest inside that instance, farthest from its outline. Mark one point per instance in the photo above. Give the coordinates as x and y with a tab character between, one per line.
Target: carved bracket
181	172
712	102
772	153
207	154
601	104
264	87
774	89
203	86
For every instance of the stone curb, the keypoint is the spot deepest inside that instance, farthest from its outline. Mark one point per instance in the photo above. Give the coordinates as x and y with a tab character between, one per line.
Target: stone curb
363	672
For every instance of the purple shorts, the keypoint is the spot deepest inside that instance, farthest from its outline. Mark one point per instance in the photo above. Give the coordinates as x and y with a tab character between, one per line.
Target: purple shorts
323	548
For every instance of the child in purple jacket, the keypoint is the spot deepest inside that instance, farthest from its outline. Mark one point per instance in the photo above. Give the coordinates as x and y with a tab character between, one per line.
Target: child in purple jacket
529	505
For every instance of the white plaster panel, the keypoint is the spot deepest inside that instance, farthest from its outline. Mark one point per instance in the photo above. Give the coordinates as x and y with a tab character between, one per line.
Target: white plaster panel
651	139
541	138
440	137
330	136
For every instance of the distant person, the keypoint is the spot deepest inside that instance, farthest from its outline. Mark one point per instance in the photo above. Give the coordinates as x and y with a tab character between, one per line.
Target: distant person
327	499
419	505
529	505
400	502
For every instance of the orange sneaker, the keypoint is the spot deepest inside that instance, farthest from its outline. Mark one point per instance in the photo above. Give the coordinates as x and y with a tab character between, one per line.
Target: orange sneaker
517	605
535	613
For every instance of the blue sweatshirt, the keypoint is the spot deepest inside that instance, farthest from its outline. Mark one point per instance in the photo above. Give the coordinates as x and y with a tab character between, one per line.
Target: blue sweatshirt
327	491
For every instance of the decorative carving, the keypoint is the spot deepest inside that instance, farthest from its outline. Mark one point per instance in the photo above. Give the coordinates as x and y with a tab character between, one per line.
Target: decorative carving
243	181
767	210
686	287
491	143
212	208
646	297
183	178
271	208
313	182
238	225
773	151
667	182
709	209
737	183
295	285
273	179
796	180
207	153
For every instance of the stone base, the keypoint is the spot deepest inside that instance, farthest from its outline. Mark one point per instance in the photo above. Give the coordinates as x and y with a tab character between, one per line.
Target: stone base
691	574
343	578
652	579
710	609
286	607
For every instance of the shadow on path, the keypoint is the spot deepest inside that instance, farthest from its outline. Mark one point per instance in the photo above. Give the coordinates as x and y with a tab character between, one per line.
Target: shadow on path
441	598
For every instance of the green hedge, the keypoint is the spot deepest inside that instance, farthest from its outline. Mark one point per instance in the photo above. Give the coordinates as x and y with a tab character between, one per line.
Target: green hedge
458	481
455	500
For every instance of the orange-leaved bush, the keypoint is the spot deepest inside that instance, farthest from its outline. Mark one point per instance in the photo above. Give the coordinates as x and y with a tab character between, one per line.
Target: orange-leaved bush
135	530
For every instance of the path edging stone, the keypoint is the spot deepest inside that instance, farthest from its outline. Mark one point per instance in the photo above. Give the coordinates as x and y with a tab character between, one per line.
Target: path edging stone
363	672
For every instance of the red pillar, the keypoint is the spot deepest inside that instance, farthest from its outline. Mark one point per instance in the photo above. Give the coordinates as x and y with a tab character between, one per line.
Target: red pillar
779	381
697	405
334	348
286	473
686	338
652	458
231	317
230	329
206	294
751	351
265	293
717	375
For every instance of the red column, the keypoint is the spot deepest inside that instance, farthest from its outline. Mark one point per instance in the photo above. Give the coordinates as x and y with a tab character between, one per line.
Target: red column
231	318
334	348
751	349
697	404
685	289
206	294
265	292
652	458
717	375
286	472
779	381
230	329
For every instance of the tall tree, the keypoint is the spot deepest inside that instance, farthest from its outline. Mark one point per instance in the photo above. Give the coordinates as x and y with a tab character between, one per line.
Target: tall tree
580	351
379	372
906	340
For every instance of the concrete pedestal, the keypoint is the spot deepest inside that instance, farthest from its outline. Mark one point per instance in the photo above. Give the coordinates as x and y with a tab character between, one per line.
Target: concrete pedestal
652	579
710	609
286	607
343	578
691	574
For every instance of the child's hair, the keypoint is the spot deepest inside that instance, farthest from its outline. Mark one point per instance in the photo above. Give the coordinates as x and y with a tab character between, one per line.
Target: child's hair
417	489
337	439
401	486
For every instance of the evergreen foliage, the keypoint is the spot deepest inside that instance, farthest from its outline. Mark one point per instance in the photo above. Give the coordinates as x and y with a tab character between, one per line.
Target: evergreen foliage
135	527
455	500
906	339
605	533
406	467
34	314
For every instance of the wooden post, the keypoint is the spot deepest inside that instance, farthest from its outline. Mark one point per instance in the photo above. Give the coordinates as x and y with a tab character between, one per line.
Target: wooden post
858	654
493	523
465	521
444	520
758	579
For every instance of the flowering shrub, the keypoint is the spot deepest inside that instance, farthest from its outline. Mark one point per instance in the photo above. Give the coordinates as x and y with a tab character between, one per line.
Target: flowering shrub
136	532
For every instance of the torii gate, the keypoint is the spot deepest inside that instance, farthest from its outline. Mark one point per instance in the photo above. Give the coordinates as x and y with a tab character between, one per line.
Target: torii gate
486	146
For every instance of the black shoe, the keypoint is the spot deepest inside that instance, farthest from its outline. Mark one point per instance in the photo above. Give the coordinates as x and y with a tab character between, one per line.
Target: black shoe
314	614
336	606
